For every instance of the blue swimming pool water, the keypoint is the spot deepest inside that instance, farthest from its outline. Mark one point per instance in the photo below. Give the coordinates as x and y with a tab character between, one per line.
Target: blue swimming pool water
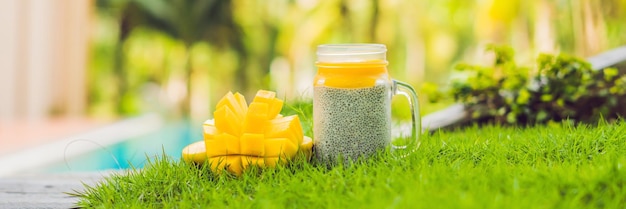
132	152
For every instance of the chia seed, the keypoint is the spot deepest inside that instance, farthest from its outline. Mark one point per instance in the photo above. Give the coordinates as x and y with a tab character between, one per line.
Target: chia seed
350	124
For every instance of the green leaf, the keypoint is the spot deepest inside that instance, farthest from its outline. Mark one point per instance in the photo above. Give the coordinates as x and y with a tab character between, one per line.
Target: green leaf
501	111
610	73
542	115
560	102
511	117
523	98
432	92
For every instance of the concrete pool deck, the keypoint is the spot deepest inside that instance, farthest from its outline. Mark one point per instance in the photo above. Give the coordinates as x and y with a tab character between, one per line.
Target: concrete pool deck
40	191
45	191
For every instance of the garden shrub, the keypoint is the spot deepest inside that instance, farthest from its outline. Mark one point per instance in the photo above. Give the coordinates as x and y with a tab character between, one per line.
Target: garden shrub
562	87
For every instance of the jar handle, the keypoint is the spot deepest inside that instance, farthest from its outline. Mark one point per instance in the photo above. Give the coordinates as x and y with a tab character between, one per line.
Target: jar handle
407	91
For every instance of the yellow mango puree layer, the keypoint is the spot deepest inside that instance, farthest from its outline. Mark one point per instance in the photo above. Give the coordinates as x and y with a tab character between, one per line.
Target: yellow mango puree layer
350	74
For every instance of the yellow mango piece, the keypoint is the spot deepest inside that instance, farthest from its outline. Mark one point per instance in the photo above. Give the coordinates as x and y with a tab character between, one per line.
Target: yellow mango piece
225	121
274	104
217	163
234	164
195	153
242	102
286	134
252	144
280	147
290	149
285	127
231	143
222	144
306	147
247	161
214	148
231	163
264	96
255	118
229	100
209	129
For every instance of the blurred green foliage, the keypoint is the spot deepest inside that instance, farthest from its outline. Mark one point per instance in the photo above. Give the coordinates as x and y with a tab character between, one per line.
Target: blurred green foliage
179	56
565	88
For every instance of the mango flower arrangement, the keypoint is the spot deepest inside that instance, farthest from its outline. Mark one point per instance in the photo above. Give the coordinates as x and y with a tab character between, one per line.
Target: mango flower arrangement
240	135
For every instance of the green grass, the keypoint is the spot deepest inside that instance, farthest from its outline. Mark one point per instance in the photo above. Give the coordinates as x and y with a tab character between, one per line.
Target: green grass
560	166
551	166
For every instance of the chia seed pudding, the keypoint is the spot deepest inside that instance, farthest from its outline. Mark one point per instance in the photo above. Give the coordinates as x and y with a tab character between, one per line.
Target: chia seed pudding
351	123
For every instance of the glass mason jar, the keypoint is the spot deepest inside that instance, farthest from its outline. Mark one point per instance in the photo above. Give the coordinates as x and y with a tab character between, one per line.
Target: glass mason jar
352	104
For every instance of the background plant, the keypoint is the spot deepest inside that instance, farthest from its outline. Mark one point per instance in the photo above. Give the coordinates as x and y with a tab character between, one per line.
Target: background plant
563	88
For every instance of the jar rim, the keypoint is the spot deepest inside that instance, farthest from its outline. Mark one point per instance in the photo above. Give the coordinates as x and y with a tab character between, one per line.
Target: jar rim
344	49
352	52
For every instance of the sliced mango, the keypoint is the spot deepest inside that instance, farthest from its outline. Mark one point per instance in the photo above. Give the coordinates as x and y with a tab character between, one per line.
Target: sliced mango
225	121
247	161
268	97
242	135
222	144
275	106
264	96
252	144
230	101
195	152
231	163
255	118
242	102
209	129
306	147
288	127
280	147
